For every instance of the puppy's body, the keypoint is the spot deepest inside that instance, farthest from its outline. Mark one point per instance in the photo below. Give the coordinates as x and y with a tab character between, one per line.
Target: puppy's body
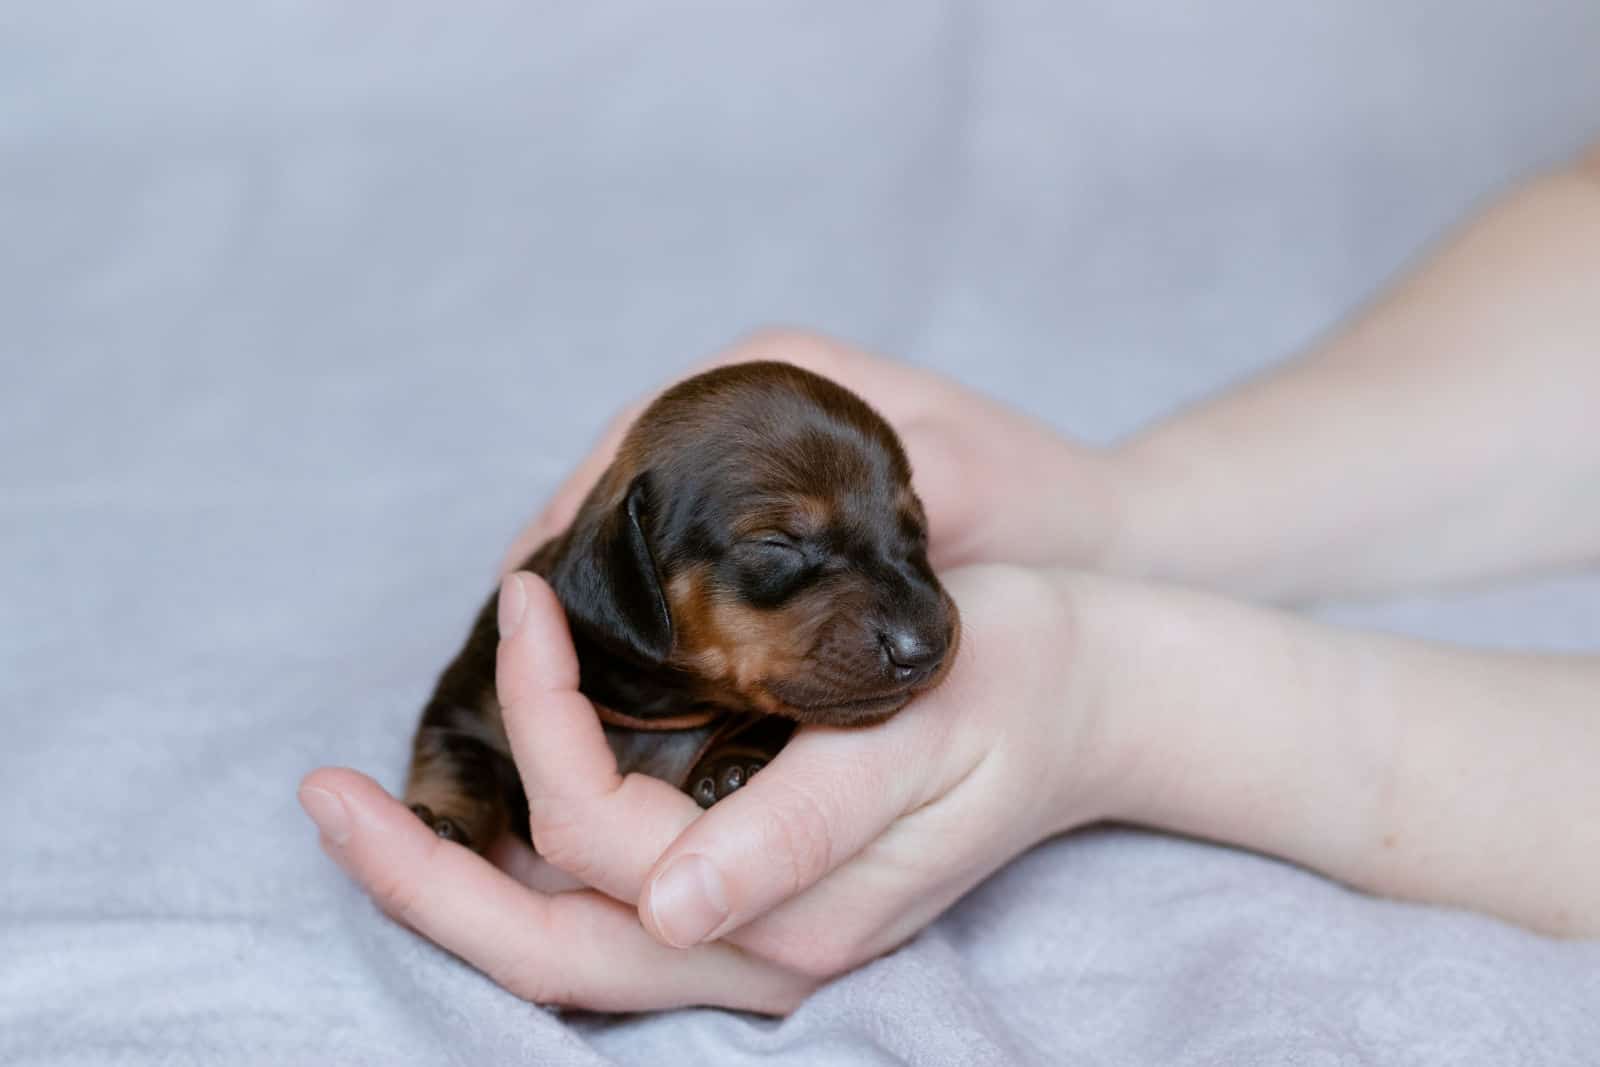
753	558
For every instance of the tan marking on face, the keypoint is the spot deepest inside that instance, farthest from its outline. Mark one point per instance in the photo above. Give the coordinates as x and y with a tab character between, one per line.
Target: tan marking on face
696	644
813	513
734	648
800	514
758	644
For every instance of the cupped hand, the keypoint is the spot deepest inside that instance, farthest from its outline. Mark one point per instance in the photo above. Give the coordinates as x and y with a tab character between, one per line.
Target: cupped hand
998	485
520	923
849	841
843	847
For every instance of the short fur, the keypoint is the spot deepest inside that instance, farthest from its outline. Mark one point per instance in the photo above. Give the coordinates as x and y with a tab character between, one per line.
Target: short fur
754	553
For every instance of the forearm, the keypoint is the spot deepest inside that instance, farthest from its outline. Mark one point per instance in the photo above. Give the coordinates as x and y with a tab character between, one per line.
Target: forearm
1451	433
1399	767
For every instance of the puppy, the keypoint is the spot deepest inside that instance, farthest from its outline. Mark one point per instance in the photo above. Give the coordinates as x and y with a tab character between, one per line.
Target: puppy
753	558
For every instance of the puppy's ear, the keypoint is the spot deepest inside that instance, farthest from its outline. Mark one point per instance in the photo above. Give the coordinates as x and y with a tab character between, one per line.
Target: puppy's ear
610	584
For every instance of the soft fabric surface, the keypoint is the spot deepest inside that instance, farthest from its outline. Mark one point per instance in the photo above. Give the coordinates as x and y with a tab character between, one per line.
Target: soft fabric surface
305	306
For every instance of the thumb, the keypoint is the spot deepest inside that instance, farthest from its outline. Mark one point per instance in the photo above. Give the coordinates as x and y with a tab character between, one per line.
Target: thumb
826	796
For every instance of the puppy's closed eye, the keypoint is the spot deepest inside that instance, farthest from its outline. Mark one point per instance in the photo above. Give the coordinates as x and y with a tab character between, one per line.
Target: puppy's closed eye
770	568
779	541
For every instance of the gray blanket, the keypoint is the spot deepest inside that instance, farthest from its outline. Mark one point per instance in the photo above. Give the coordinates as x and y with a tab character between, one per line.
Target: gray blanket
305	306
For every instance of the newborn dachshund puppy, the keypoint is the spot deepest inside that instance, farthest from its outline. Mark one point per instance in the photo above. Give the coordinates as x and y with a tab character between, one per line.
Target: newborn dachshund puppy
753	558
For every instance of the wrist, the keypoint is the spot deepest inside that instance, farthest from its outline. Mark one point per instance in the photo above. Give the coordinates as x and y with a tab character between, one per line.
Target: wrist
1035	500
1079	521
1167	528
1096	729
1194	511
1112	749
1224	721
1030	655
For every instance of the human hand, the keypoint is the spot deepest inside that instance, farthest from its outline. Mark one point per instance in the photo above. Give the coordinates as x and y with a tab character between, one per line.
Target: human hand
1078	699
521	923
849	841
998	486
847	844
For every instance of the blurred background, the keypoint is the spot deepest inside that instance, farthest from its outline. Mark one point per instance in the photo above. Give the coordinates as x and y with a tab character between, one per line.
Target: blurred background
417	253
305	306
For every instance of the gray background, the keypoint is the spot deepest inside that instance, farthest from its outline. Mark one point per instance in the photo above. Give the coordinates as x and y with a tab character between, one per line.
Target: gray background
304	307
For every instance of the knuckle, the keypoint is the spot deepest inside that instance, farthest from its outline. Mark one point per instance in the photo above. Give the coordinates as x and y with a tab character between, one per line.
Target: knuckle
794	835
530	980
397	896
561	838
820	954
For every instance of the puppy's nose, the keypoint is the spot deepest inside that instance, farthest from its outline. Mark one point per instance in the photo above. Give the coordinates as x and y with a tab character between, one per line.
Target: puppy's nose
912	654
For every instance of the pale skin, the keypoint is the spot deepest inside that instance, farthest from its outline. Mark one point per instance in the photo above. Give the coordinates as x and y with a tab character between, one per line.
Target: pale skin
1116	663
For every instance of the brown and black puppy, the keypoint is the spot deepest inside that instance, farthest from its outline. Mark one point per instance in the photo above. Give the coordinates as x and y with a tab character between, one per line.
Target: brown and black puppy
753	558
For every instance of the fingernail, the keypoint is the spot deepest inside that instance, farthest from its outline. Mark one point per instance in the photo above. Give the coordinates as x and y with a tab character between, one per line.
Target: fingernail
513	605
328	812
688	901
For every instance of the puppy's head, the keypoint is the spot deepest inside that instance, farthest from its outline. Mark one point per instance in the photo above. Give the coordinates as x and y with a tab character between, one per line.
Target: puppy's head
757	538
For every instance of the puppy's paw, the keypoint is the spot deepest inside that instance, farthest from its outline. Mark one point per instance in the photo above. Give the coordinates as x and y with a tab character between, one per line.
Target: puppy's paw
718	776
734	756
443	825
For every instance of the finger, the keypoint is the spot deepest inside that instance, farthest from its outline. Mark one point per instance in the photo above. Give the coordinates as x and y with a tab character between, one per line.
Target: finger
899	391
513	856
898	884
931	446
577	949
824	798
585	817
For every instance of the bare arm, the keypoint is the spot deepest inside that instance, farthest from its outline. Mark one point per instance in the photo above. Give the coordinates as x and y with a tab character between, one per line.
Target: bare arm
1450	433
1401	767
